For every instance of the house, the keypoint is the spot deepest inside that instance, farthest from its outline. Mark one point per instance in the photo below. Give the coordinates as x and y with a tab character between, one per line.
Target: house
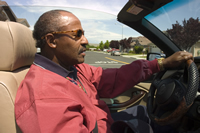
146	43
195	49
153	48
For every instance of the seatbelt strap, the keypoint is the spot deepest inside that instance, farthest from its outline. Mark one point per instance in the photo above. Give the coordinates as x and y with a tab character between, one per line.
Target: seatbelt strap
95	130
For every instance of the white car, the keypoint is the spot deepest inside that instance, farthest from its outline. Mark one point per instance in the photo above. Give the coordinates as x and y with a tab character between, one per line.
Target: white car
105	50
115	52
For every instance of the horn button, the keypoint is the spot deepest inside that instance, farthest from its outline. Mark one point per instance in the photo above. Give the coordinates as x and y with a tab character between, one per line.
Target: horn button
169	91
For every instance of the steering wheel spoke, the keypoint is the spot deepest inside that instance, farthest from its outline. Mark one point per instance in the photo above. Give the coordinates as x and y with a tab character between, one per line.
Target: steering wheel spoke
156	109
156	83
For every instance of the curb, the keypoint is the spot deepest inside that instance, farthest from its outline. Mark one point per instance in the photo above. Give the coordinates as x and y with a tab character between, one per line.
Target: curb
136	57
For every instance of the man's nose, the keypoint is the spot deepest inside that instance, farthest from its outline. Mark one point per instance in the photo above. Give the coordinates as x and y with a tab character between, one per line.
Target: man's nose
84	40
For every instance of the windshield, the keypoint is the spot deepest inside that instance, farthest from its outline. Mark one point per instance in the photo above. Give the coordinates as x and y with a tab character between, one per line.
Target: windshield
98	26
179	20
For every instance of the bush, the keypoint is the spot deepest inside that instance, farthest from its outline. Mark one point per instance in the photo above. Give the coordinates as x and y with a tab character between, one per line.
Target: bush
131	52
146	51
138	49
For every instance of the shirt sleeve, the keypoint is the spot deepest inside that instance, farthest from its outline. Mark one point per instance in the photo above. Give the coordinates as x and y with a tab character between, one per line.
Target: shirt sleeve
53	116
117	80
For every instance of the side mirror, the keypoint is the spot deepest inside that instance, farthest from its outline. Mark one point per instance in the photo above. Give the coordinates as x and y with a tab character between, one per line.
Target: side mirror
152	56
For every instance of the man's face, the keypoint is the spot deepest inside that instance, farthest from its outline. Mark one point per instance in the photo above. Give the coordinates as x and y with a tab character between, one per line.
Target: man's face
70	49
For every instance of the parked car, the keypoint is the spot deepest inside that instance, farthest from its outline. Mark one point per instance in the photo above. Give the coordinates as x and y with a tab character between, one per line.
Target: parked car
105	50
109	50
115	53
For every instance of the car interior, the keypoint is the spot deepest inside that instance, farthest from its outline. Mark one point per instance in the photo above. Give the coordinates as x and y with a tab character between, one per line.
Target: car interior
18	50
166	103
173	96
16	55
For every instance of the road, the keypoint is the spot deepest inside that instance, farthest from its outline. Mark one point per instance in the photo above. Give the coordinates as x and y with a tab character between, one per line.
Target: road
105	60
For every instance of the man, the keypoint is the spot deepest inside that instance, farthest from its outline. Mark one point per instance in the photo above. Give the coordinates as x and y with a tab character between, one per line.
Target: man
60	93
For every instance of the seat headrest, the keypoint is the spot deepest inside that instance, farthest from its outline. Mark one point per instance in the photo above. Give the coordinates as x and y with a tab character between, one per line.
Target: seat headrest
17	46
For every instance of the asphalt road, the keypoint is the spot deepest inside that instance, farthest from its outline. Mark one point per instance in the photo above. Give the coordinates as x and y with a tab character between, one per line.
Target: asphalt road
105	60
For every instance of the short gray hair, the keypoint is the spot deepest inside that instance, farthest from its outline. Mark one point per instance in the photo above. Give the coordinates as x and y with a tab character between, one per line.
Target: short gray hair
48	22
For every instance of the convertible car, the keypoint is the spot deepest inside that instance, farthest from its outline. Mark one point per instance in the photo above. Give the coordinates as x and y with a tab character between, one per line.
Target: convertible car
171	96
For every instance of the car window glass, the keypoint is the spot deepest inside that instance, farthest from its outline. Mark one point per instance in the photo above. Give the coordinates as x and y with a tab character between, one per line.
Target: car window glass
179	20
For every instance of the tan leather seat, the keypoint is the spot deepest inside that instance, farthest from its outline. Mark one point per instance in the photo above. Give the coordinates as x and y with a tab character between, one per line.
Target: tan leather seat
17	50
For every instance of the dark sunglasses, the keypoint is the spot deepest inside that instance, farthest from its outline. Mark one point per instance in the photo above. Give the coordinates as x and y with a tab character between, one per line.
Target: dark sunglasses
77	34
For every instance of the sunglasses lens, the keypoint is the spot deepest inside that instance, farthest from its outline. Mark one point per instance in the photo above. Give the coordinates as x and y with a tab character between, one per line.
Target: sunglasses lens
79	33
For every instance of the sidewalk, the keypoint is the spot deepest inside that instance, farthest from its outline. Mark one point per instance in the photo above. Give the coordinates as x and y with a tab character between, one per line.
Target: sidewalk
134	56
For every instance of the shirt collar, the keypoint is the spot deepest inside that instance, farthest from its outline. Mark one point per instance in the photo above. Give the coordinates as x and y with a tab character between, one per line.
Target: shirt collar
45	63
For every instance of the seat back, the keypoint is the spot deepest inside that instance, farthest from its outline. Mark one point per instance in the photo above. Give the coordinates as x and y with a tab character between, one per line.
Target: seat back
17	50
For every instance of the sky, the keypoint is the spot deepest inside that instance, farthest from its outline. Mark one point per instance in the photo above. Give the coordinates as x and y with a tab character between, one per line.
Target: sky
109	6
175	12
98	17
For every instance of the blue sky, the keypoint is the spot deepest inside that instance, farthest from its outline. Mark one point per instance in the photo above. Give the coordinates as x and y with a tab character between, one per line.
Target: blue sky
109	6
99	22
176	11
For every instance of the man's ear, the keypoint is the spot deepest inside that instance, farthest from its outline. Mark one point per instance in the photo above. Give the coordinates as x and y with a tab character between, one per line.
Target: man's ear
50	40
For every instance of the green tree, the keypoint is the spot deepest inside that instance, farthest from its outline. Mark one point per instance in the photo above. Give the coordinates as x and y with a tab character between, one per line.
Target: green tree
101	45
106	44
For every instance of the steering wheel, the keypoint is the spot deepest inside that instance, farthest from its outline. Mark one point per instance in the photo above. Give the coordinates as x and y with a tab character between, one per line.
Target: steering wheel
169	99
